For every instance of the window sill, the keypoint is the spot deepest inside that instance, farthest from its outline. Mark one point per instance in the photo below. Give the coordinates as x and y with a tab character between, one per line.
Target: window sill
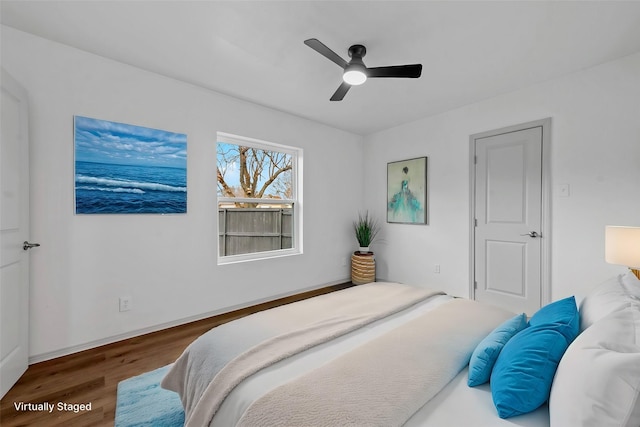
257	256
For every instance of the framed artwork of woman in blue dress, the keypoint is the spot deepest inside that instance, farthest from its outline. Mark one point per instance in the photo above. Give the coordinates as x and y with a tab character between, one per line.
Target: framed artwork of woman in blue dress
407	191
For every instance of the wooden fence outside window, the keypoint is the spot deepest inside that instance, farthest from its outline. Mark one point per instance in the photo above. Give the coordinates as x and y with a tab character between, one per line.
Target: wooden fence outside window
250	230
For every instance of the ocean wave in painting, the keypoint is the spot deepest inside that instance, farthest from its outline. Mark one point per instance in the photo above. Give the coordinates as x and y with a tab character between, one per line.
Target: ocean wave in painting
109	188
120	184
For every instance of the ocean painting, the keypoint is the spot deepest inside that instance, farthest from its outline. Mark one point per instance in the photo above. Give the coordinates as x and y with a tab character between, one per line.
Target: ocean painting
407	191
126	169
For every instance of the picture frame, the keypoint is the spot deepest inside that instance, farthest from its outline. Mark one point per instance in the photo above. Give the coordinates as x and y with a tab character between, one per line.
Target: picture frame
407	191
128	169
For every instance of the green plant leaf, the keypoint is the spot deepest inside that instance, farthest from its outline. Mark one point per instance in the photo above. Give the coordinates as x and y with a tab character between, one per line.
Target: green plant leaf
366	229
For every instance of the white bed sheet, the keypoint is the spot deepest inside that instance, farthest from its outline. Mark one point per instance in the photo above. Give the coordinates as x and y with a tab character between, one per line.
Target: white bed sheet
460	405
430	415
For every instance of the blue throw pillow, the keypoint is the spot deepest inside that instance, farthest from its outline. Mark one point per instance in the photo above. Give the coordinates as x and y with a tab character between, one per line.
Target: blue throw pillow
522	376
561	315
486	353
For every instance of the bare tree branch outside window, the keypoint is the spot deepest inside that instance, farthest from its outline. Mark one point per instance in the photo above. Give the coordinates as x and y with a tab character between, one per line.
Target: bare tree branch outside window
249	172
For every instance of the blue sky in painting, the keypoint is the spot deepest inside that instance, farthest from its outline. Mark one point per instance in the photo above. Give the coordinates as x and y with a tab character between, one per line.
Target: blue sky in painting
101	141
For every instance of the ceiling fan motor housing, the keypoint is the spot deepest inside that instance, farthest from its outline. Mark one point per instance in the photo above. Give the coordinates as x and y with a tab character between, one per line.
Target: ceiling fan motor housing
355	73
357	51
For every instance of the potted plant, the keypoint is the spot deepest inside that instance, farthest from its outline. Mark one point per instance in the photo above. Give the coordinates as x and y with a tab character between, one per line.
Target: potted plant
366	229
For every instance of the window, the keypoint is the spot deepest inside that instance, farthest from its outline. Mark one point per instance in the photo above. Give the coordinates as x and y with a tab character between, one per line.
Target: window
259	199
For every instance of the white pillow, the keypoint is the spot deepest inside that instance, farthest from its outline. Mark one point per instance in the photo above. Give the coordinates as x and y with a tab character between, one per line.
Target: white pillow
597	383
631	284
606	298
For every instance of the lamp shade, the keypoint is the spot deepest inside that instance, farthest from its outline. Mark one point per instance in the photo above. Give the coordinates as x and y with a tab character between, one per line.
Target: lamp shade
622	246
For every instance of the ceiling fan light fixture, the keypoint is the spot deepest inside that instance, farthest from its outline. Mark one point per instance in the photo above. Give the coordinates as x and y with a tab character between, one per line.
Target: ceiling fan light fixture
355	75
355	72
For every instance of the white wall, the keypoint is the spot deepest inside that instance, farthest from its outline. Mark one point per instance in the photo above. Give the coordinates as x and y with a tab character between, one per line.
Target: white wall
595	148
167	264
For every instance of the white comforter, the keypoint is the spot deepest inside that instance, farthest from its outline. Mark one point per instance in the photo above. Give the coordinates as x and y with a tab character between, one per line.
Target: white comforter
214	364
253	397
386	380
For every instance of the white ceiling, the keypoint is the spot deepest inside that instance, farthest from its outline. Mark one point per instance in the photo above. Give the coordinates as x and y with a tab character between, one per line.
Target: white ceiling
254	50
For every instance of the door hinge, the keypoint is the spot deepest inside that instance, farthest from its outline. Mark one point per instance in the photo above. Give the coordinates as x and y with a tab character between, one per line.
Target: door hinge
475	222
475	284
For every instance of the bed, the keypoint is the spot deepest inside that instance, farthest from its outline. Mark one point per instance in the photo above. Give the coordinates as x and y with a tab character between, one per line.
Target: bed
384	354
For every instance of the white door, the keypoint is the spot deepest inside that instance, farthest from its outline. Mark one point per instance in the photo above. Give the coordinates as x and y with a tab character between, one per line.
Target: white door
14	232
508	224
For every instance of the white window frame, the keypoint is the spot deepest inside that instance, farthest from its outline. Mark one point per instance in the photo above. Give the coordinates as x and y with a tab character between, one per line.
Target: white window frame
295	201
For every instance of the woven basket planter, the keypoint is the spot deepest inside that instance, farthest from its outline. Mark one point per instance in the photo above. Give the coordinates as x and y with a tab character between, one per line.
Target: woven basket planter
363	268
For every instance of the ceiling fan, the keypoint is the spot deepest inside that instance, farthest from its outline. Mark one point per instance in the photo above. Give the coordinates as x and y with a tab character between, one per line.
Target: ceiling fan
355	72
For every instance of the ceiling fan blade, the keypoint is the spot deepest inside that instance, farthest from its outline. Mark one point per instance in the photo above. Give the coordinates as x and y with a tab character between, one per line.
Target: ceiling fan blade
323	50
411	71
341	92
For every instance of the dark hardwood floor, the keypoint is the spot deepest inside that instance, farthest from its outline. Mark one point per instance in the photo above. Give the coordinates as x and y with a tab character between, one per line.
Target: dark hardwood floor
92	376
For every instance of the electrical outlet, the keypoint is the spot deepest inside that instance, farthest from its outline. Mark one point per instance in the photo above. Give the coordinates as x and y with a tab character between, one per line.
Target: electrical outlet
563	190
343	262
436	269
125	303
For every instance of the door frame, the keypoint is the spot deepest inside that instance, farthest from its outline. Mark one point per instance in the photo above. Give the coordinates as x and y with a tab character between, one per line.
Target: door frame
545	273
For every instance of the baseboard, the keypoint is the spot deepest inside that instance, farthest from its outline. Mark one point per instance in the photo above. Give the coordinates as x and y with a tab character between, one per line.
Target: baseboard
138	332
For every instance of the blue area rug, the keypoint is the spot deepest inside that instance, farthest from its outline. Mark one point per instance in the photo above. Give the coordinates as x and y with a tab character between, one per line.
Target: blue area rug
142	402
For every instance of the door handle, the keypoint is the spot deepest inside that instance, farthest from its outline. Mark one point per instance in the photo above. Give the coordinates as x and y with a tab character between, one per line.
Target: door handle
532	234
26	245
